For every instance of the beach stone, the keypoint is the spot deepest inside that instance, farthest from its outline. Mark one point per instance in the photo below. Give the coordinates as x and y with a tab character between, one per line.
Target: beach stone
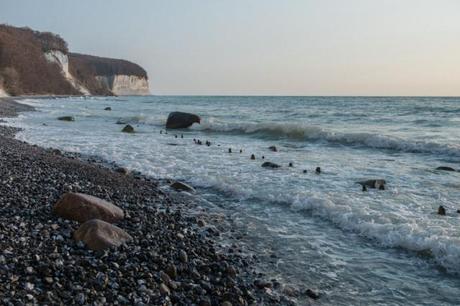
82	207
180	120
444	168
171	270
128	129
179	186
183	256
99	235
273	148
164	290
66	118
270	165
374	184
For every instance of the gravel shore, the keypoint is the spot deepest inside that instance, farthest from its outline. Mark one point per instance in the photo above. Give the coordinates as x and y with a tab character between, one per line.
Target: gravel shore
172	259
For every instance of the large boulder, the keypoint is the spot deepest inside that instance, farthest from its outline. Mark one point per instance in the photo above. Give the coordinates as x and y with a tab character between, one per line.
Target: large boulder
99	235
179	120
82	207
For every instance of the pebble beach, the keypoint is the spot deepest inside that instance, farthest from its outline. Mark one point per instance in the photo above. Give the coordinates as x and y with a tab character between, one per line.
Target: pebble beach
172	259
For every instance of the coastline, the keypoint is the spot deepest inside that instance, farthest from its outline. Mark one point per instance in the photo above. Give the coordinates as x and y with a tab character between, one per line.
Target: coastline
43	264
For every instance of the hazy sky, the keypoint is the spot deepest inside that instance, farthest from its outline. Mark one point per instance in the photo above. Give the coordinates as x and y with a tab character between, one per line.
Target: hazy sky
284	47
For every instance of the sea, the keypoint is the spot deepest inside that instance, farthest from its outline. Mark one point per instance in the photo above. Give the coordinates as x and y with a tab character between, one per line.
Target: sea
319	231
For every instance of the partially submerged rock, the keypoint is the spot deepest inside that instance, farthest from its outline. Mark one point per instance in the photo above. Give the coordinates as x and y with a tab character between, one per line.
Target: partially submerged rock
444	168
66	118
82	207
374	184
270	165
179	186
180	120
108	108
441	210
273	148
99	235
128	129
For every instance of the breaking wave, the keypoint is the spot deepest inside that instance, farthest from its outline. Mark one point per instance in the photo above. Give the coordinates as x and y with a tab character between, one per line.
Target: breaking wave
316	133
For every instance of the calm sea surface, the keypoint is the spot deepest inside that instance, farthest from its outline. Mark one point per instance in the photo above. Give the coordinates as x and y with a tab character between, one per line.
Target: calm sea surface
318	231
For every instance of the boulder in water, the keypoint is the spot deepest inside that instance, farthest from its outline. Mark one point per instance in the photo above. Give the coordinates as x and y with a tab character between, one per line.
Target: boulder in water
128	129
66	118
99	235
82	207
273	148
179	120
441	210
374	184
270	165
444	168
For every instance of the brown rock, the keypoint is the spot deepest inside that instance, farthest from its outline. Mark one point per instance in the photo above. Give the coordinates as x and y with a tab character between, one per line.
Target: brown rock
99	235
82	207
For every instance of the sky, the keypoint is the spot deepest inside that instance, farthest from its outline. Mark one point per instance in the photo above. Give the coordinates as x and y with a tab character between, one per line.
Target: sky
265	47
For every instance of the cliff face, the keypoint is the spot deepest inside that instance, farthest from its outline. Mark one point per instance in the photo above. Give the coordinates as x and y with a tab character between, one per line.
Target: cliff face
120	77
34	62
126	85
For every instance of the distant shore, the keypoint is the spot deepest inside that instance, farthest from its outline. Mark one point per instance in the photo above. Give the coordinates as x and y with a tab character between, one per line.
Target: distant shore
43	264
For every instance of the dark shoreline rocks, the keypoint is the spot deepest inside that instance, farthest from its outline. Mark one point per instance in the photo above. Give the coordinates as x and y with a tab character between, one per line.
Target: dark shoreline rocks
41	263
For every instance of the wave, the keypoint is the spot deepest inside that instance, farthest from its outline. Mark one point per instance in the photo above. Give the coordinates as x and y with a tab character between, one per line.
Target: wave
426	235
315	133
425	239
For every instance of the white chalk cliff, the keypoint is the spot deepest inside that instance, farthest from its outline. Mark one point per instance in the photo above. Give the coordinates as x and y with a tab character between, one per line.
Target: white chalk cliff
62	60
126	85
118	84
2	92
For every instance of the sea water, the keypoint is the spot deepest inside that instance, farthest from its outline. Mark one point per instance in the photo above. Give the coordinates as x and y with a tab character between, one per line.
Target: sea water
319	231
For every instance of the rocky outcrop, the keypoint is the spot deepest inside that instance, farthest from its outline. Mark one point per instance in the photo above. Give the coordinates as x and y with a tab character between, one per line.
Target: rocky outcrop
99	235
82	207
